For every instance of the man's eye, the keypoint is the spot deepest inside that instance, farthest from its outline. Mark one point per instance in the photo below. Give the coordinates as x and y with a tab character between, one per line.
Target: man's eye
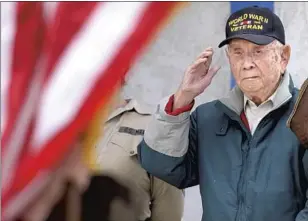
258	51
238	53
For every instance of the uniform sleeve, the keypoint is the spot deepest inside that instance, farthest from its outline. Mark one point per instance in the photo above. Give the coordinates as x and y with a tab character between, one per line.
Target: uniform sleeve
167	201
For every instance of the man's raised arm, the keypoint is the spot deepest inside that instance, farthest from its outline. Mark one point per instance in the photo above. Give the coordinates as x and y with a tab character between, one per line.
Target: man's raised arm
169	148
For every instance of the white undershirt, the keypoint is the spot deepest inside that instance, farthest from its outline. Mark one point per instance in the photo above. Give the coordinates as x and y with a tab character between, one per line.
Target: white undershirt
254	113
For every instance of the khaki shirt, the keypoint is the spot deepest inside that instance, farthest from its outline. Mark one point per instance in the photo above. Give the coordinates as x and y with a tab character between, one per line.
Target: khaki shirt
117	156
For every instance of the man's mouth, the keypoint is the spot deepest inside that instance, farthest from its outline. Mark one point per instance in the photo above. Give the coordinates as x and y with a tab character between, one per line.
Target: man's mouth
251	78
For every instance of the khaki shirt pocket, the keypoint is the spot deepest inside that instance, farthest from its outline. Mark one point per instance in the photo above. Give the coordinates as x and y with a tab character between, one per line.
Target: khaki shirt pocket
128	142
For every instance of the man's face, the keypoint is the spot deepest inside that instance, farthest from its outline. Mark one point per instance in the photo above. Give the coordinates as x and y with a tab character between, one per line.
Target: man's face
257	68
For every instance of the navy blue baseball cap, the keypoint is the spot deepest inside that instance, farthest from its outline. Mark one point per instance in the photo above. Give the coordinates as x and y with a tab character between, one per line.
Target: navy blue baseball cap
255	24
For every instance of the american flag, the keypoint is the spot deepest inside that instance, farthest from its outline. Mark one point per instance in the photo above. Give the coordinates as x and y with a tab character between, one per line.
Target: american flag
245	22
61	61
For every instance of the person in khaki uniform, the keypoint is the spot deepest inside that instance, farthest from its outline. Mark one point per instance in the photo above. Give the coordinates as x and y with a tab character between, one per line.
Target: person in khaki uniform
117	157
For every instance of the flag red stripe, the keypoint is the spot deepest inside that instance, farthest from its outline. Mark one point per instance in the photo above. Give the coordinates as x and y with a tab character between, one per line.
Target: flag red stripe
27	47
57	147
69	18
27	44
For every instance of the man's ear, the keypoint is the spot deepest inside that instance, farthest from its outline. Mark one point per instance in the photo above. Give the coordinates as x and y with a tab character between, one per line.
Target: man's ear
285	57
227	52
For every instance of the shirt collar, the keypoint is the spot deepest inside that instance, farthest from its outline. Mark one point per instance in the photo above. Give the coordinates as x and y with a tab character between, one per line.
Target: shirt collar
234	100
141	108
248	102
279	97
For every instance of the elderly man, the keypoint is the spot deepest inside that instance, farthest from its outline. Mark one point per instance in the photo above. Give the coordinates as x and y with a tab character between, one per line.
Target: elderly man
248	163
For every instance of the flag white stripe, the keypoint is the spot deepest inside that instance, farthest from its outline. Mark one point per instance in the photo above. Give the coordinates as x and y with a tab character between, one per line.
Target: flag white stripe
90	52
18	202
18	135
27	109
50	9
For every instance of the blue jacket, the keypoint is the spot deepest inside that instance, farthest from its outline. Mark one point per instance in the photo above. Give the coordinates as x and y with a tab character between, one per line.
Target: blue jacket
242	177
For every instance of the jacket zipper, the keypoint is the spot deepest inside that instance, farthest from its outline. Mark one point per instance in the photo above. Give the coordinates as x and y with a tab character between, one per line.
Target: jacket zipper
241	215
241	190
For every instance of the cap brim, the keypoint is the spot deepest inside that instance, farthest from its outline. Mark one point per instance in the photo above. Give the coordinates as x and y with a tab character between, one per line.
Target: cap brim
257	39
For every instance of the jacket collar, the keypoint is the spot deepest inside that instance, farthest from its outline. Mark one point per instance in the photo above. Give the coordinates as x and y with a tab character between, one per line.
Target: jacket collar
235	98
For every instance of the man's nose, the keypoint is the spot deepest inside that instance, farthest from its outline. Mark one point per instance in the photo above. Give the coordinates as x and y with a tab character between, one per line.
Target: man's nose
248	62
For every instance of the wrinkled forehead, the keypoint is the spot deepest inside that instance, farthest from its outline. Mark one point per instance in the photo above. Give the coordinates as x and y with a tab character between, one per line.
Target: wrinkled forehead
241	43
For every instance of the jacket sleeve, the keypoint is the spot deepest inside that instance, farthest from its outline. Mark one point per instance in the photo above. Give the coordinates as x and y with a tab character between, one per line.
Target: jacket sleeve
303	214
169	148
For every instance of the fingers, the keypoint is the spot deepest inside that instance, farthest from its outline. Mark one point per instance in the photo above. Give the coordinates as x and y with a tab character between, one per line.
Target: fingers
206	53
206	80
208	62
205	61
205	57
211	73
201	60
